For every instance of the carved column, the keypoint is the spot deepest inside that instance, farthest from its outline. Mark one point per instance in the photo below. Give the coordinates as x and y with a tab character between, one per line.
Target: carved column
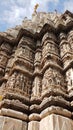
69	79
66	53
65	50
36	87
5	52
52	65
22	68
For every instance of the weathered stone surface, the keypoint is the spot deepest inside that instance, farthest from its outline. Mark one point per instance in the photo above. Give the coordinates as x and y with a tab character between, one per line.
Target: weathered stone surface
55	110
14	114
7	123
33	125
36	73
56	122
1	122
34	117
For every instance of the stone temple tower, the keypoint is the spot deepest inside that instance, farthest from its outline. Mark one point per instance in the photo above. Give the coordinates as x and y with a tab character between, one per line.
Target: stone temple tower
36	73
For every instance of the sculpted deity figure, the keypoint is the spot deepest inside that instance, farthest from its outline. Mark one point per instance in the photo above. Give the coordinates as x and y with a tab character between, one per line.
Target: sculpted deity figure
17	84
48	79
35	7
11	81
22	82
38	56
36	86
69	78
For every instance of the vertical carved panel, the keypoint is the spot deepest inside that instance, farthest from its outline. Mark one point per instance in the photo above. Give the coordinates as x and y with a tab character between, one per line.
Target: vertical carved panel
52	79
20	83
70	39
64	45
69	78
36	89
50	50
38	56
5	52
65	50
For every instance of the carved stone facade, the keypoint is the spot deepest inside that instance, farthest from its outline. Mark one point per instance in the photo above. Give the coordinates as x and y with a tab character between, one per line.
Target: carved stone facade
36	74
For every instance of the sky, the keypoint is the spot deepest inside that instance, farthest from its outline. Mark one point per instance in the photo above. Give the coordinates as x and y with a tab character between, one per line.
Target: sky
12	12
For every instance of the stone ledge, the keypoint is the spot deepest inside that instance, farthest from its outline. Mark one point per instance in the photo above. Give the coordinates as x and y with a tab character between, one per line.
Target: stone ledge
50	101
48	111
34	117
55	110
14	114
14	104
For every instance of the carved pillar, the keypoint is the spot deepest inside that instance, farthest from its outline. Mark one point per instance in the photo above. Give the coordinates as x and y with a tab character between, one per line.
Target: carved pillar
69	79
50	50
36	88
65	50
20	68
70	39
10	63
16	91
52	65
5	52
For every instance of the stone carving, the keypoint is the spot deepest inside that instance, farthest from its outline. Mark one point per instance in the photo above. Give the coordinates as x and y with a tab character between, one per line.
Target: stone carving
36	90
18	81
35	7
36	73
49	47
65	45
69	78
11	81
70	39
52	77
38	57
48	79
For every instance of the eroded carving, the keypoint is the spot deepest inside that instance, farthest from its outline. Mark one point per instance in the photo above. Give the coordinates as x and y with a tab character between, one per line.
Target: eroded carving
69	78
36	88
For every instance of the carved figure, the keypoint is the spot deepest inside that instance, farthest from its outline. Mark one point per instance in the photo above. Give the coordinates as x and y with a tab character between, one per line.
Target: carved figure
36	87
11	81
35	7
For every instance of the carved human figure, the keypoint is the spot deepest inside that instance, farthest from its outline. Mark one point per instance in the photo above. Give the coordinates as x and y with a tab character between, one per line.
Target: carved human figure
35	7
48	79
22	82
28	86
69	78
36	87
57	78
11	81
38	56
17	83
